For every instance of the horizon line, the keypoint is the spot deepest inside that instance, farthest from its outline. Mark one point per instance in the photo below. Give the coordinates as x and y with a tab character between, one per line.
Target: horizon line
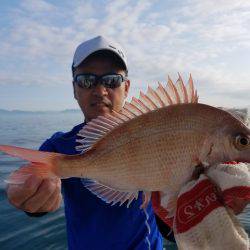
20	110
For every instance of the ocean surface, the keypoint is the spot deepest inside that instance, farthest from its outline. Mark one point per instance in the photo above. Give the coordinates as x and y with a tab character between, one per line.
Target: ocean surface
17	230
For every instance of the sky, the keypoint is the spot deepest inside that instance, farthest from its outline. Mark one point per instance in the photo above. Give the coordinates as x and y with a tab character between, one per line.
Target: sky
208	38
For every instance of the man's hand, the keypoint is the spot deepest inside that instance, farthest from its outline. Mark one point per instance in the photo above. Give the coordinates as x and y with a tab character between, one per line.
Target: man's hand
35	195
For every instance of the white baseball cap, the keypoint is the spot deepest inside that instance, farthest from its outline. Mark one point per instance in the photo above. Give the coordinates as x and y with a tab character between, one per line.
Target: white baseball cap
95	44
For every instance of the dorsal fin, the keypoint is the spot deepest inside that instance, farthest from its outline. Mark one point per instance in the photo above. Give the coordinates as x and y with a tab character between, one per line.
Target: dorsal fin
173	92
181	89
162	96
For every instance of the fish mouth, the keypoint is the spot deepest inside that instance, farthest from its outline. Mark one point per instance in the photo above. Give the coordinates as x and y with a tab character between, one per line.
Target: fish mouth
236	162
243	160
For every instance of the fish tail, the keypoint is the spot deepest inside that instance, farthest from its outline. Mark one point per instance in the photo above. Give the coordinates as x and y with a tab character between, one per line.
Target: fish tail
43	164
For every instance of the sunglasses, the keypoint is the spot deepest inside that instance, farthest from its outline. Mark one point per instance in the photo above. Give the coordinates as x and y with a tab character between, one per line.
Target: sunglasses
88	81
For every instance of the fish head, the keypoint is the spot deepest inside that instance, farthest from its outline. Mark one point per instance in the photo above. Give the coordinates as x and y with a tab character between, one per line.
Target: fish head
235	139
228	139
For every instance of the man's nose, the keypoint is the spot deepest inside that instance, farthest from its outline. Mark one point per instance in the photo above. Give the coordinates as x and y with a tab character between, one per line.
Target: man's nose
100	90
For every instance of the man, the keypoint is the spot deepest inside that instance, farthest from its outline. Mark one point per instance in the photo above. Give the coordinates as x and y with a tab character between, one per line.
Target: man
100	85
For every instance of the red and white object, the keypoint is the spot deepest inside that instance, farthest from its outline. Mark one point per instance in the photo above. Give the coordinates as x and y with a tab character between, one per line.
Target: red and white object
201	219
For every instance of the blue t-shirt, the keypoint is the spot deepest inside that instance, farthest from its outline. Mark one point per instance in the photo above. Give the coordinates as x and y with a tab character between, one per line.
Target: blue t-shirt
93	224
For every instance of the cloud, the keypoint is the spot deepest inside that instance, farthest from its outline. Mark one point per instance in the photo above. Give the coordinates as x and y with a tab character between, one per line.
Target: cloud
160	37
37	6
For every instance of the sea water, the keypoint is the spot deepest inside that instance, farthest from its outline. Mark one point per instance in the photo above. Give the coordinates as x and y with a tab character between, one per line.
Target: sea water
17	230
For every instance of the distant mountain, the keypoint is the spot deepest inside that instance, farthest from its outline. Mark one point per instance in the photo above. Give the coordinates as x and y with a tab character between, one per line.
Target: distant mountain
3	111
71	111
16	111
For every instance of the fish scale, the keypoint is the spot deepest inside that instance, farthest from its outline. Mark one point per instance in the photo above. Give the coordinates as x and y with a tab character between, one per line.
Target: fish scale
136	152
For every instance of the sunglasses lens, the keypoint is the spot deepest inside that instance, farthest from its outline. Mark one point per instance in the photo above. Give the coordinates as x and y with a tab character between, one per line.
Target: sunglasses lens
85	81
112	81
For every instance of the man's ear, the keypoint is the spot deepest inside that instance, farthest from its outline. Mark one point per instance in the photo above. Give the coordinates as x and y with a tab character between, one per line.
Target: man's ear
127	86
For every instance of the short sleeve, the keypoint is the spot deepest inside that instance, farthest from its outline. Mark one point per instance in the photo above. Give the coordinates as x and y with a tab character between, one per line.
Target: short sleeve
48	145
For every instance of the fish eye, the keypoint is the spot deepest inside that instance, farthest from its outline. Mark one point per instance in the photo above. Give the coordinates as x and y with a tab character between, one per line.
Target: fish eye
242	141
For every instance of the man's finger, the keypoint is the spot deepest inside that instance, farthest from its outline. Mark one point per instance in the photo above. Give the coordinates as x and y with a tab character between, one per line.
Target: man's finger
52	201
45	190
18	194
57	203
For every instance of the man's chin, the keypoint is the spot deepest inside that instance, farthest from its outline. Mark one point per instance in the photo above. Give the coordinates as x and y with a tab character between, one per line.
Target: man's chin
101	110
